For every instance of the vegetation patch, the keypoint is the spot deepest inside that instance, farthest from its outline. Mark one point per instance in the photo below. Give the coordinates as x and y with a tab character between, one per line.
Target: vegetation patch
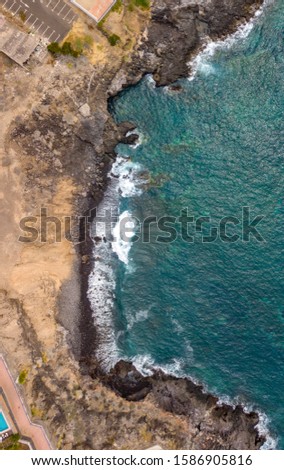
23	16
117	6
12	443
113	39
143	4
66	49
23	376
36	412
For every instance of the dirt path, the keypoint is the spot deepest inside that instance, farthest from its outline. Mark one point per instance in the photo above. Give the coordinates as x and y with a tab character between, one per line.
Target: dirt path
27	429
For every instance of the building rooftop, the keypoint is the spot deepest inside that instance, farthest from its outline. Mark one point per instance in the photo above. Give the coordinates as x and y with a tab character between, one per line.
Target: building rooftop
16	44
96	9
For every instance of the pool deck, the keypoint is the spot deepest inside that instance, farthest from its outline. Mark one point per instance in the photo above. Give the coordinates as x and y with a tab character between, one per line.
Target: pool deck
28	429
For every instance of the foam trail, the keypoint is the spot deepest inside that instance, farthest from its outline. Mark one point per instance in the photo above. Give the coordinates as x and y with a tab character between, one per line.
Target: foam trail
121	244
127	173
146	365
124	182
140	316
102	282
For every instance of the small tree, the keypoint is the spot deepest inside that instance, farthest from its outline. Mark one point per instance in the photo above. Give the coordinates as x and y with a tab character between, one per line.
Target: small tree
54	48
113	39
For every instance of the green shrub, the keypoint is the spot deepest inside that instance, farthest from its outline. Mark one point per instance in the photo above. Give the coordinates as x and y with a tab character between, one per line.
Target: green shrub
143	4
54	48
117	6
66	49
113	39
22	376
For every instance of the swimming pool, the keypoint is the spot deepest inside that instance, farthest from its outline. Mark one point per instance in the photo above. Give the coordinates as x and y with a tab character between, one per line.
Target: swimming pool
3	423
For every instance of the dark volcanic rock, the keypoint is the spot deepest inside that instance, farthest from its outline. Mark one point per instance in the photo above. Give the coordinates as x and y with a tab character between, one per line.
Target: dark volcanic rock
211	425
128	382
178	29
176	32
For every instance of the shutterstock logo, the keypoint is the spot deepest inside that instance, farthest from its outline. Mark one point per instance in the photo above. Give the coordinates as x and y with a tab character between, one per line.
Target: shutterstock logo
108	226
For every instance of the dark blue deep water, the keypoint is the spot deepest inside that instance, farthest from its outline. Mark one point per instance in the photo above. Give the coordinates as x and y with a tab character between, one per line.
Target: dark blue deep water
213	311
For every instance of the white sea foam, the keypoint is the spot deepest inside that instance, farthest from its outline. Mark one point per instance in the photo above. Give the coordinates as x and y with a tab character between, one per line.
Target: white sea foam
263	428
127	172
121	243
151	81
139	317
140	139
146	365
202	63
263	424
102	279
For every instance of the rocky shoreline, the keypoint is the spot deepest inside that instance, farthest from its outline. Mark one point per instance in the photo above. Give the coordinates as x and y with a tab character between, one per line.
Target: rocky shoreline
176	32
57	145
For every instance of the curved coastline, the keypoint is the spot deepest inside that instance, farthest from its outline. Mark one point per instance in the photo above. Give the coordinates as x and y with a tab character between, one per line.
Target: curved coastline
159	385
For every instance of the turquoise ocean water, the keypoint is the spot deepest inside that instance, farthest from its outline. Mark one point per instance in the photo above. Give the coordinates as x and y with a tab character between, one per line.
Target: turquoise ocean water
212	311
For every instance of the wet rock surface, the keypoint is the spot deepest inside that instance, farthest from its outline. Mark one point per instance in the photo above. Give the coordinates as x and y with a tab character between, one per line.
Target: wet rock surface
211	425
177	31
68	133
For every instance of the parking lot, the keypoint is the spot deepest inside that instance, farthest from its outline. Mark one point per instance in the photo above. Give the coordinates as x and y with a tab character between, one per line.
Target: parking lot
51	19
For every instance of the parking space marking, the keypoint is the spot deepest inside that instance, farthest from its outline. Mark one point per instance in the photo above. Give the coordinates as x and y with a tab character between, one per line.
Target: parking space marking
53	23
38	28
45	31
62	9
55	5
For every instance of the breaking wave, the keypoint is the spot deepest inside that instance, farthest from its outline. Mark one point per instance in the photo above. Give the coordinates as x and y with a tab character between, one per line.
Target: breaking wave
202	62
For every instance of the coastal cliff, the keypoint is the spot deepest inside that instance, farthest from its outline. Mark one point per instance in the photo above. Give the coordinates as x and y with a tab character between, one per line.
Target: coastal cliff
57	144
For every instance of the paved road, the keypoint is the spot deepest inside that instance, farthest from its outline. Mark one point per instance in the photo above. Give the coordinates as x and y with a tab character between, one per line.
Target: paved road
27	429
51	19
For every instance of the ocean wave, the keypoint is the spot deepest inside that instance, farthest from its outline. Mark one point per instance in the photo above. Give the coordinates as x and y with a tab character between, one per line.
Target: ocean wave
263	428
121	243
151	81
127	172
101	296
147	366
140	139
263	424
202	62
101	286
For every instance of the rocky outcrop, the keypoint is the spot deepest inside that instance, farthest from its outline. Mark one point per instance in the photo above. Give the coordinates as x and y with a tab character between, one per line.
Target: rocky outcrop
60	148
211	425
176	32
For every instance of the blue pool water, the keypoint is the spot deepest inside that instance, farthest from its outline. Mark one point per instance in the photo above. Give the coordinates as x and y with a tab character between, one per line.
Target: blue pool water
212	311
3	424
